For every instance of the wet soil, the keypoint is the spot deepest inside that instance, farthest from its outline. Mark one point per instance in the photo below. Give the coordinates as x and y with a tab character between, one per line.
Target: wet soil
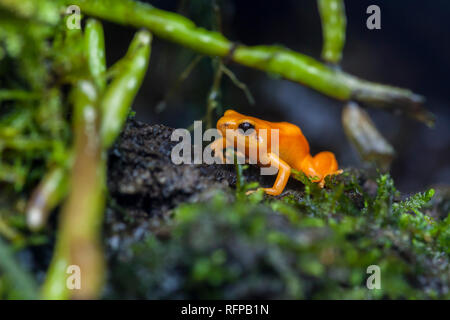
145	185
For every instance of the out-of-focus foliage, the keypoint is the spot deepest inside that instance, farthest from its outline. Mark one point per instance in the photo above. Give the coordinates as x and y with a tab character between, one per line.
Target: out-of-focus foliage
37	53
315	246
15	283
47	69
34	129
34	124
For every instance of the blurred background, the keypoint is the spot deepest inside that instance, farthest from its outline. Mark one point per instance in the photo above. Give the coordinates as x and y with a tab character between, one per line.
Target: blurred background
412	50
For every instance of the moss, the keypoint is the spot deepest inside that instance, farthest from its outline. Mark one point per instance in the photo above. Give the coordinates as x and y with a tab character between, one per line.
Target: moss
315	246
34	124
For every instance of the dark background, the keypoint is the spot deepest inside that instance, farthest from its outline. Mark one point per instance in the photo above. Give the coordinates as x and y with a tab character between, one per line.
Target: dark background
412	50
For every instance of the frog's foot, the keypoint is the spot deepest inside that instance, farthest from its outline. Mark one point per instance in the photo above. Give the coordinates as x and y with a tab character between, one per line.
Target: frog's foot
217	147
284	170
270	191
252	191
322	183
218	153
320	166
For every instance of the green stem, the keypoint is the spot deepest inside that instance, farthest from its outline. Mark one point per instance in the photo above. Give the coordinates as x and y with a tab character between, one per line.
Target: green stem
48	194
181	78
284	62
43	11
95	50
334	22
214	93
128	75
18	95
97	122
78	241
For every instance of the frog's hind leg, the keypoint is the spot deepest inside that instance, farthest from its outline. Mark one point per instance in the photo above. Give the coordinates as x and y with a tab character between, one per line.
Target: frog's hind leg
321	165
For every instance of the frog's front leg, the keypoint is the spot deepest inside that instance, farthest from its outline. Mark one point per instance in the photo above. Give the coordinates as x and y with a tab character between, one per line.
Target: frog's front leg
217	146
284	171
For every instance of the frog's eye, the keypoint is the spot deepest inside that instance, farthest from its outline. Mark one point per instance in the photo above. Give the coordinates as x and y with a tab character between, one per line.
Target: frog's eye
244	126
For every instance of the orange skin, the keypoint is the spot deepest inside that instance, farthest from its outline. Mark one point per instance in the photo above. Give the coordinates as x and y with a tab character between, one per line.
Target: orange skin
293	148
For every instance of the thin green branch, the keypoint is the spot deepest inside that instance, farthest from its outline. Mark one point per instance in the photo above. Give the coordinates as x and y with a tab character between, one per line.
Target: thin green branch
97	121
128	75
18	95
334	22
47	195
181	78
212	101
41	10
284	62
95	49
239	84
78	241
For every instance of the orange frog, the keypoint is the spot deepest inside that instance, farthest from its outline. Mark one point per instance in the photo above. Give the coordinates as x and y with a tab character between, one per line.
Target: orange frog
293	148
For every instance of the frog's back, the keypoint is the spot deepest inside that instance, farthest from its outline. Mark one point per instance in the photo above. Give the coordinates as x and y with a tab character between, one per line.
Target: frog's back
293	145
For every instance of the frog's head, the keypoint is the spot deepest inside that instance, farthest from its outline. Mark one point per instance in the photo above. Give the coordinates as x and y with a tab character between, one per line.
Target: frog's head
243	131
233	120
